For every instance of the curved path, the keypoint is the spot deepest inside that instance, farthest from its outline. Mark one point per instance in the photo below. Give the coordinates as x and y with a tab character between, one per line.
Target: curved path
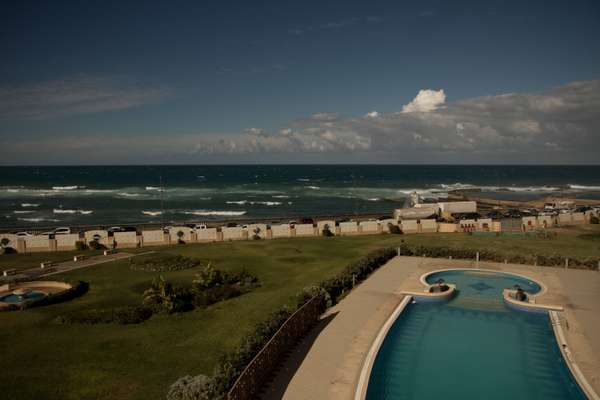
327	363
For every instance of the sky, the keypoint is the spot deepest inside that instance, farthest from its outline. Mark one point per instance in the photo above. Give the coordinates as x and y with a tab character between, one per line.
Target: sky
189	82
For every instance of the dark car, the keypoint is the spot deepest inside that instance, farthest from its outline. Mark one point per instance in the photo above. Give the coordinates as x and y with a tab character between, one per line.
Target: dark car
307	221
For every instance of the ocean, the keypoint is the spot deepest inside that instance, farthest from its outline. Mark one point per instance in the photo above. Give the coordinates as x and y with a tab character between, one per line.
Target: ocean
118	195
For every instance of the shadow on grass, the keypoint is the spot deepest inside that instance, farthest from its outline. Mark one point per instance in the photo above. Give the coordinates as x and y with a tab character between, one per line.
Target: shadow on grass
286	370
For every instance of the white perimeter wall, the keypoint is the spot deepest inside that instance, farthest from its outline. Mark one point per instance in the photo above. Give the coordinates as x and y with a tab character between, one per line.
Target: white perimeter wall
279	231
369	226
12	239
126	239
305	230
205	235
37	243
232	233
262	231
66	241
321	226
187	233
410	226
153	237
429	225
348	228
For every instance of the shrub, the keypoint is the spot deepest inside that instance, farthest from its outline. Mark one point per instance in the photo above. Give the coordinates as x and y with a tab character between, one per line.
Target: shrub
311	291
161	297
95	245
191	388
326	231
207	278
80	245
215	294
394	229
594	220
256	233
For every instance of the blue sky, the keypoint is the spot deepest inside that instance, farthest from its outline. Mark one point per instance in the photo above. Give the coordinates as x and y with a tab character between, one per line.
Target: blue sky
190	75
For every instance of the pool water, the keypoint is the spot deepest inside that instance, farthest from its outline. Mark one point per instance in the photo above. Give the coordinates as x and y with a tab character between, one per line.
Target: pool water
30	296
472	347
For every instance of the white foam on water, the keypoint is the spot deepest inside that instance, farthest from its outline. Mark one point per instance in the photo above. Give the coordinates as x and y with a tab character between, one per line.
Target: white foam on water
67	211
23	211
216	213
313	187
29	205
38	219
583	187
73	187
281	196
152	213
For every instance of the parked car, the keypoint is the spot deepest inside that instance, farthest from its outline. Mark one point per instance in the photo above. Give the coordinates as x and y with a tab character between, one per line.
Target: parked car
307	221
232	225
114	229
199	227
62	231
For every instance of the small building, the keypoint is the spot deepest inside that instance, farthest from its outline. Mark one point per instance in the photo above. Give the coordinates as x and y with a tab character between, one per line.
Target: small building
458	207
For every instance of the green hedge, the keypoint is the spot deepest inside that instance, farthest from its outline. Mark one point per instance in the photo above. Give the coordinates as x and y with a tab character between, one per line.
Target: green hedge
487	255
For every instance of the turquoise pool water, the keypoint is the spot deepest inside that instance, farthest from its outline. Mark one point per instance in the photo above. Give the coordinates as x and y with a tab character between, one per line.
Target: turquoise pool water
30	296
472	347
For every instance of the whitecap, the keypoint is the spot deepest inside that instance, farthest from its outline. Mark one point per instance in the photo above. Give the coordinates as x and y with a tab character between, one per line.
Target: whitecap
38	219
281	197
152	213
240	202
313	187
29	205
23	212
303	179
583	187
67	211
153	188
74	187
216	213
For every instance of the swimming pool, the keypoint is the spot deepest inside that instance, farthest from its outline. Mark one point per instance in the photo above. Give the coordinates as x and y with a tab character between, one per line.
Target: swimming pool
471	347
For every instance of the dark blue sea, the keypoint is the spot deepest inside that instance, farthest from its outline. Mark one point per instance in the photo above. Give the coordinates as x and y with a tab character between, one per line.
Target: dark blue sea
57	196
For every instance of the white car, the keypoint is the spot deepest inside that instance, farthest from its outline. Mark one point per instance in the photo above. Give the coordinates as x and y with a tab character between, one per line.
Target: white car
199	227
23	234
62	231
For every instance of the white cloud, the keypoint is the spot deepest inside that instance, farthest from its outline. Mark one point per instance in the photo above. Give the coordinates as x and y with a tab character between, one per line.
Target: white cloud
372	114
426	100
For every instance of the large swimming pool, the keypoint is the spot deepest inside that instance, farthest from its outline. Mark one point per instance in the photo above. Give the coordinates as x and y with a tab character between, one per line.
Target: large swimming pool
472	347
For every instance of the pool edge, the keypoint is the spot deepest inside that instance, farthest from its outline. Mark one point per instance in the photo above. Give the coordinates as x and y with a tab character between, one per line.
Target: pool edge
365	373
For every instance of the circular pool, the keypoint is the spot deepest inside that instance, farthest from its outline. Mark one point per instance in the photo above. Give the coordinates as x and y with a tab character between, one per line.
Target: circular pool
16	298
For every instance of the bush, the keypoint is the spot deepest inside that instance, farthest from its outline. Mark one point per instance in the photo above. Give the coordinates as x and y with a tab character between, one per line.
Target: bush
191	388
394	229
95	245
594	220
162	297
214	295
311	291
80	246
163	262
327	231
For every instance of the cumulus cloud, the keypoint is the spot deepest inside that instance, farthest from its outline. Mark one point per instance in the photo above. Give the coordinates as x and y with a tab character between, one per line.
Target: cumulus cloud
426	100
76	95
560	125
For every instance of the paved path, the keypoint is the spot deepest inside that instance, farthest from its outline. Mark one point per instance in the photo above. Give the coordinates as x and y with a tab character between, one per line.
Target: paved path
327	363
67	266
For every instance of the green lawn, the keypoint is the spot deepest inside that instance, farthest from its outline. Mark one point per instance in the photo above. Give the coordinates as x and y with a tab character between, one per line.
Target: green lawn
46	360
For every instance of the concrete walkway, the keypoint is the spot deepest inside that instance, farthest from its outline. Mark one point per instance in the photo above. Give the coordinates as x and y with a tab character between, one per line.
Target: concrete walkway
67	266
327	363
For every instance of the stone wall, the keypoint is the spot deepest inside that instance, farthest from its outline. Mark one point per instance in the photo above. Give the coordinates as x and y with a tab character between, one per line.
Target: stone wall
429	225
153	238
348	228
66	242
280	231
233	233
305	230
126	239
206	235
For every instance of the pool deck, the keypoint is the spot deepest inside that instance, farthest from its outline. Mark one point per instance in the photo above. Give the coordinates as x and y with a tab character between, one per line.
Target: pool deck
327	363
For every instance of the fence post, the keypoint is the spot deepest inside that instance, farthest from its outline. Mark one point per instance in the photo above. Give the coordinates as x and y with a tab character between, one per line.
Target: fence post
399	251
353	280
566	263
477	259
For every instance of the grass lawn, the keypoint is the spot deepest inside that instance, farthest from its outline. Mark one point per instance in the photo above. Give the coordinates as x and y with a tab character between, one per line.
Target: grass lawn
46	360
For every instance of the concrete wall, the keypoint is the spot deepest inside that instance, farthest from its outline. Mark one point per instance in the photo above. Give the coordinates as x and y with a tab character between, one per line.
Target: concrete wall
348	228
206	235
12	239
153	238
187	233
104	239
578	218
281	231
549	221
262	231
66	242
233	233
126	239
305	230
369	227
530	223
484	224
468	225
429	225
565	219
447	228
321	226
37	243
410	226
